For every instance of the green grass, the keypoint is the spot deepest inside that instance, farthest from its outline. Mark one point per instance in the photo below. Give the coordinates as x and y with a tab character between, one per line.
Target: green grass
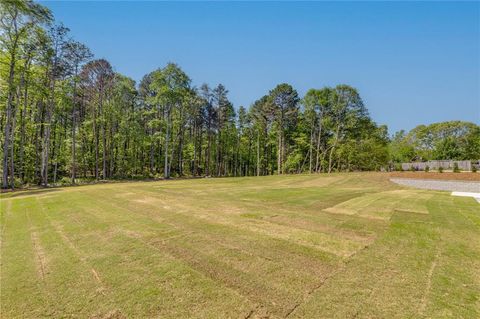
337	246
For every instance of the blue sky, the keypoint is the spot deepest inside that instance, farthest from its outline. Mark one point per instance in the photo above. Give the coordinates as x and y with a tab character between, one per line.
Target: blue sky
413	62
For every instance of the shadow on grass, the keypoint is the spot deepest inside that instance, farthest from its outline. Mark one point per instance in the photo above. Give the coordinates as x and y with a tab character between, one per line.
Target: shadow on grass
8	193
22	193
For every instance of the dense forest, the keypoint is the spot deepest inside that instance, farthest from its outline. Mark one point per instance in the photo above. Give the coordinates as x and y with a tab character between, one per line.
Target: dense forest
67	117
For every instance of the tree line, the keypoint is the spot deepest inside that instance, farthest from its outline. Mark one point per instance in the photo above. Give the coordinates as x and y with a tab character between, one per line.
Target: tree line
67	117
454	140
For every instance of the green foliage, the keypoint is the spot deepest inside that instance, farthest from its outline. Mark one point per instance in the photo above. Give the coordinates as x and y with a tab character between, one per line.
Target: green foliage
440	169
76	119
453	140
427	168
400	149
456	169
294	162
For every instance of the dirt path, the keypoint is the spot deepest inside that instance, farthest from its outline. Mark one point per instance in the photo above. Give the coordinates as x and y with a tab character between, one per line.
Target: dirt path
445	176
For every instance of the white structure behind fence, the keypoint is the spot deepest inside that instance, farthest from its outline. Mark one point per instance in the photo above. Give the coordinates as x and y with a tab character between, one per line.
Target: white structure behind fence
445	164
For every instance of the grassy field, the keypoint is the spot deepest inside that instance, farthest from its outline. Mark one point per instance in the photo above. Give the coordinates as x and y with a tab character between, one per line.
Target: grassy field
338	246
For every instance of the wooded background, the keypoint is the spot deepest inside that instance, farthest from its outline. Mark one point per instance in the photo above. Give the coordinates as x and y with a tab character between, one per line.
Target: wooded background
66	117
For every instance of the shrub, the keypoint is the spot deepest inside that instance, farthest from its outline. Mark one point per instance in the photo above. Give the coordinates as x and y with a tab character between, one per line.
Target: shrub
17	183
427	168
440	169
474	169
412	168
65	181
455	168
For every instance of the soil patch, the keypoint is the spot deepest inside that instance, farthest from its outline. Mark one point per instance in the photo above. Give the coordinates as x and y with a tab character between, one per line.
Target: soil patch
463	176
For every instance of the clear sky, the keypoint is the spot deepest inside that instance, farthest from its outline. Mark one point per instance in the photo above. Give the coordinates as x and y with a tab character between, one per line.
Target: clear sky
413	62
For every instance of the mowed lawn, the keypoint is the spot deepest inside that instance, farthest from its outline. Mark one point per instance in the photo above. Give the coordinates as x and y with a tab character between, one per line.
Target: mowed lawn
307	246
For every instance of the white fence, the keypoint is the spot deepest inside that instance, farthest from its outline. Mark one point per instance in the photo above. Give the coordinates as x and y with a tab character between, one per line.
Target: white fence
444	164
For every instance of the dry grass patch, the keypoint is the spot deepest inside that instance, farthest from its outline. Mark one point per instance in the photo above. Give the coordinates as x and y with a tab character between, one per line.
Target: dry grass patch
310	246
382	205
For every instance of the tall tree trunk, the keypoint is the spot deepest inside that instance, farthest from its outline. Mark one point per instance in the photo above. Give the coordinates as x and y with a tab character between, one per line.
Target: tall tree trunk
249	155
46	146
265	162
7	132
219	148
74	126
237	152
311	148
12	153
180	151
96	138
38	137
47	131
172	148
258	152
111	151
152	157
318	163
332	149
22	143
279	159
208	155
200	143
56	143
23	114
104	140
194	161
167	137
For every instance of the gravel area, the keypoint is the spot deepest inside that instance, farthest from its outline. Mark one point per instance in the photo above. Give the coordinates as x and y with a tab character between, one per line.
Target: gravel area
453	186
